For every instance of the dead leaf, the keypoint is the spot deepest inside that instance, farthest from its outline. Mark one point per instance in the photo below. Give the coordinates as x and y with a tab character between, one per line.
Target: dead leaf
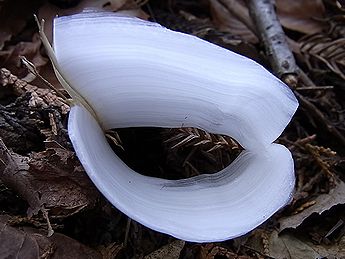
336	250
26	242
212	251
53	179
10	57
322	203
233	16
110	251
19	244
288	246
169	251
291	246
302	16
14	15
61	181
69	248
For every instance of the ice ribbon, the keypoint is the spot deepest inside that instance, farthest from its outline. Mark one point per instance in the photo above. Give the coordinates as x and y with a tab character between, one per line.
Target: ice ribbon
134	73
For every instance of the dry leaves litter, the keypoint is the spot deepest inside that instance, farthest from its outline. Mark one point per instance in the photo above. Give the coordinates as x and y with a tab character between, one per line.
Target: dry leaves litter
44	189
322	203
304	16
169	251
288	245
27	242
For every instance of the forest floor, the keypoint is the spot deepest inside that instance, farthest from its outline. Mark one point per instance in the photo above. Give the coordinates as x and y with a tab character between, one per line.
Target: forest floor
50	209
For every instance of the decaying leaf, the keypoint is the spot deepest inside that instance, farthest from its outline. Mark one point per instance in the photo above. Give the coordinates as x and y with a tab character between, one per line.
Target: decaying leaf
322	203
27	242
169	251
68	248
302	16
291	246
13	17
20	244
336	250
110	251
60	179
10	57
233	16
52	180
212	251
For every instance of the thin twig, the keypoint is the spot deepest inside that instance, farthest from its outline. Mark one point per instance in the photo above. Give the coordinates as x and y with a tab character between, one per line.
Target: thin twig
315	88
313	112
32	69
128	226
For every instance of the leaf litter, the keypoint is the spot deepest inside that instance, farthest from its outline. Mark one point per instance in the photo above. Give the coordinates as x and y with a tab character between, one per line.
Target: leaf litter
43	170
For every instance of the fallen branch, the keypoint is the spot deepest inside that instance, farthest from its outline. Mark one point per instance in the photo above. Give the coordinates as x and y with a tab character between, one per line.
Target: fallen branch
273	37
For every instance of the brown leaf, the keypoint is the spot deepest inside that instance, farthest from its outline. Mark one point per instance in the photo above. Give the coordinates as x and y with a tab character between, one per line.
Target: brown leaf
30	243
322	203
19	244
302	16
13	17
212	251
336	250
10	57
111	250
61	181
169	251
52	179
233	16
69	248
290	247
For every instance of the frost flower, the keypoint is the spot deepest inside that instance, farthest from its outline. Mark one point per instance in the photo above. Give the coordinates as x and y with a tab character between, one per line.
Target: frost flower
126	72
